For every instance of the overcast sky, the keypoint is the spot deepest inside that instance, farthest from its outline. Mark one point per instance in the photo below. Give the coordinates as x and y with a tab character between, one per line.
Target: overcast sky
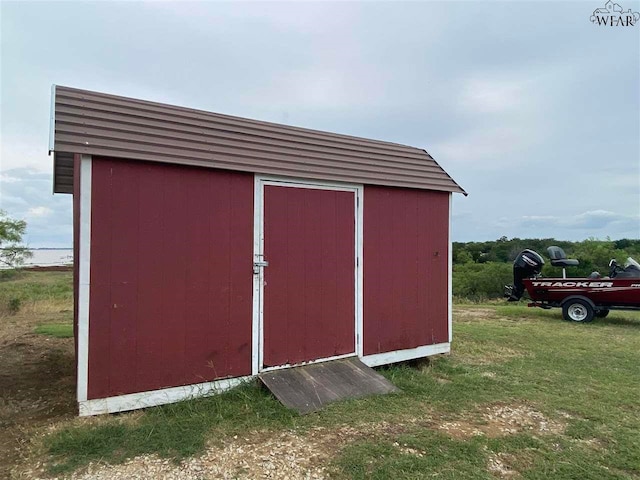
533	109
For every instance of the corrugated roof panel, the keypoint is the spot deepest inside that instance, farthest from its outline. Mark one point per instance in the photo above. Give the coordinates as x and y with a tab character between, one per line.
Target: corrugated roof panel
244	140
94	134
107	125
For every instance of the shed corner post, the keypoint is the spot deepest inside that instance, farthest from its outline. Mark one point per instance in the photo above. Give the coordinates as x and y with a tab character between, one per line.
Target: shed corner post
84	280
258	279
359	301
450	274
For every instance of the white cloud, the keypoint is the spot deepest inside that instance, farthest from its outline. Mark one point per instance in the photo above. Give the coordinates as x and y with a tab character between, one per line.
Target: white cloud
598	219
595	219
493	95
591	223
488	148
502	111
40	211
23	151
4	178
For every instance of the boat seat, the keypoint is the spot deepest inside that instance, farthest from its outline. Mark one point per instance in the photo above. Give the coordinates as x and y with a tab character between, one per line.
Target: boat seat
565	262
559	259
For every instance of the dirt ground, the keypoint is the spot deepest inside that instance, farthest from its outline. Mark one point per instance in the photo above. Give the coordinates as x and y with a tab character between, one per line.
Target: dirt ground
37	383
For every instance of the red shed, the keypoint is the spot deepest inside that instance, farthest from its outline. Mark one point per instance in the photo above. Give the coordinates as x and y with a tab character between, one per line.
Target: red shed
211	248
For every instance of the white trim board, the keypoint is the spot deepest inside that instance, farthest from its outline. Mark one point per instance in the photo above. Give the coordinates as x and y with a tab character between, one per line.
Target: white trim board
260	181
84	276
311	362
404	355
134	401
52	120
258	279
450	276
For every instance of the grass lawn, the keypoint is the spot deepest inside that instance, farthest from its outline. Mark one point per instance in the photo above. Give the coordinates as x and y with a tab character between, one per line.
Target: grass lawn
523	395
581	383
58	330
31	296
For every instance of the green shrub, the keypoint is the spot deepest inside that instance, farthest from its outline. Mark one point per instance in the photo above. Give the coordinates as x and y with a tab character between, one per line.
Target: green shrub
8	274
480	281
13	305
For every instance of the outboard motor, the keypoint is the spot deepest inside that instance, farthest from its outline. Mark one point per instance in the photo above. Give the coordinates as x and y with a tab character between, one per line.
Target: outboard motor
527	264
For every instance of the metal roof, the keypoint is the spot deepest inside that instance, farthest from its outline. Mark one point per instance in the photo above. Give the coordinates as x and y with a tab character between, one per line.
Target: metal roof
85	122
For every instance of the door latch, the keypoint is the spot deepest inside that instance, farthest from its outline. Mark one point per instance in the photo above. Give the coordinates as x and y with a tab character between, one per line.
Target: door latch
258	264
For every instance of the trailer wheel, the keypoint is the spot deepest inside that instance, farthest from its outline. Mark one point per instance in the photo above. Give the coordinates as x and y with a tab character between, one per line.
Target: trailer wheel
602	313
578	310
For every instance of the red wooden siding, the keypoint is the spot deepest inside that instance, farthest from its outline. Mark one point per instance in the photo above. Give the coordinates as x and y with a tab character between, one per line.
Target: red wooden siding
309	295
171	276
405	268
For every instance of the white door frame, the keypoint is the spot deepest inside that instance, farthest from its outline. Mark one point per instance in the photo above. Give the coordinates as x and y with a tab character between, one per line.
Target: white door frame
260	182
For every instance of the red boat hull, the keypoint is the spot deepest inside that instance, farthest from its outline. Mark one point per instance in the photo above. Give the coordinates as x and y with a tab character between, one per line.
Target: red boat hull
624	292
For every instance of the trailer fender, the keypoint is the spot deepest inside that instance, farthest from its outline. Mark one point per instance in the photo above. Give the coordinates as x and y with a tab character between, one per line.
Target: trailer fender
581	297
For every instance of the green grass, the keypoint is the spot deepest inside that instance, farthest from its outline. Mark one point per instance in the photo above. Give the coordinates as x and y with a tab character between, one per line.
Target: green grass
8	274
588	372
25	288
585	377
58	330
432	452
38	285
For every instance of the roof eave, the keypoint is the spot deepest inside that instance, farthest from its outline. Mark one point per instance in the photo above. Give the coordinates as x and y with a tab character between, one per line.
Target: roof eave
52	134
459	189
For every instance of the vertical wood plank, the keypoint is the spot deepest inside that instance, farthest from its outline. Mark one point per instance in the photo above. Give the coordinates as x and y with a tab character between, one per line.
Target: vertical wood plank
100	289
150	313
175	244
240	254
124	277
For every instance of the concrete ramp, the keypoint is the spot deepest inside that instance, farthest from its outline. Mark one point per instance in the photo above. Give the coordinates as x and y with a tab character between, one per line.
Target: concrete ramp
310	387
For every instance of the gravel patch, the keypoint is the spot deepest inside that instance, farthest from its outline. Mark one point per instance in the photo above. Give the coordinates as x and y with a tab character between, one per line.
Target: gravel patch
256	455
498	465
500	420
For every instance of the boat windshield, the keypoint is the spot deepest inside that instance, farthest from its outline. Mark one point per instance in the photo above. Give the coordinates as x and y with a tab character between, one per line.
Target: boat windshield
631	261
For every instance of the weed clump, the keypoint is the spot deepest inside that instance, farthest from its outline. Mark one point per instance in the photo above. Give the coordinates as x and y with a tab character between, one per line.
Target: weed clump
13	305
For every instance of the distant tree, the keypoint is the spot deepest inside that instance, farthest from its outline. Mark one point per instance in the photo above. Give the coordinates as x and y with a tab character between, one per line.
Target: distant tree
12	252
626	243
480	281
463	257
